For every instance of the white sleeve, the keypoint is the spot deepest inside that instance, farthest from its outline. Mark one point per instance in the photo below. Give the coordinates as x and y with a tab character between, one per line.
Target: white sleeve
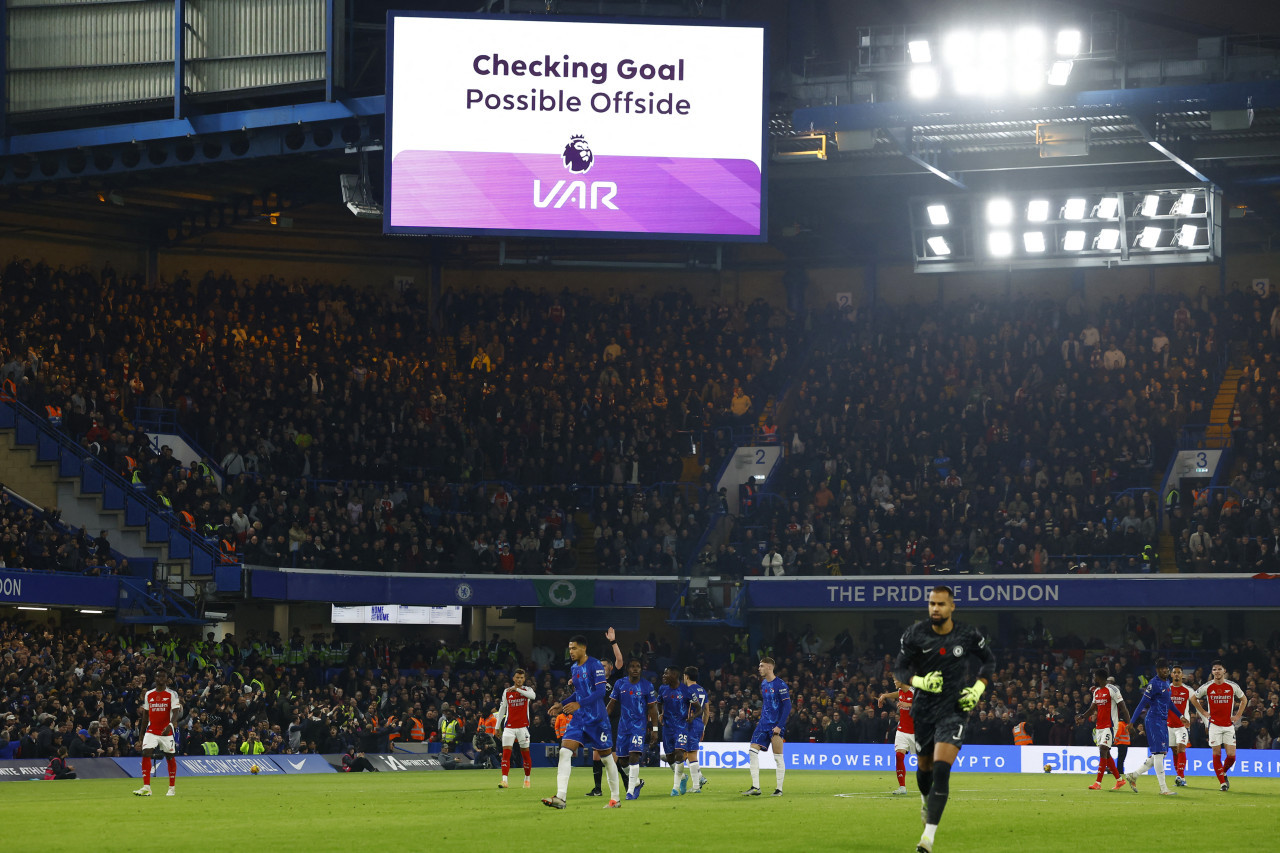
1202	689
527	692
1115	694
501	716
1235	688
177	700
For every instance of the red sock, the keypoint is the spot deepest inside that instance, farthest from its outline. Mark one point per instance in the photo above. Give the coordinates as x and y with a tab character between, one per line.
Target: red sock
1180	764
902	769
173	770
146	770
1228	764
525	762
1217	768
506	760
1102	767
1111	763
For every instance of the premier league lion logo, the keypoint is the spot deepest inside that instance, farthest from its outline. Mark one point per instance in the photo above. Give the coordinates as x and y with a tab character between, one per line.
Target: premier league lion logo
577	155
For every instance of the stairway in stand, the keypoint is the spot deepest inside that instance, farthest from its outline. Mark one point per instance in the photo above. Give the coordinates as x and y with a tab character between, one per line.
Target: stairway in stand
1217	435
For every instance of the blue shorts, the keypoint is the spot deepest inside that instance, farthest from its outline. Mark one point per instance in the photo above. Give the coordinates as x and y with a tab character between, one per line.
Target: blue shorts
674	738
593	733
763	735
630	739
1157	737
695	735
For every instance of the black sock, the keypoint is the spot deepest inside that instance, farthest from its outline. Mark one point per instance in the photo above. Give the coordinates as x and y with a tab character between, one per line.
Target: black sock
938	794
597	769
924	781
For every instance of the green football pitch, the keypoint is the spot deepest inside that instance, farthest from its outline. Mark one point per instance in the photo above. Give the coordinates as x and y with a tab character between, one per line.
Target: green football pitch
465	811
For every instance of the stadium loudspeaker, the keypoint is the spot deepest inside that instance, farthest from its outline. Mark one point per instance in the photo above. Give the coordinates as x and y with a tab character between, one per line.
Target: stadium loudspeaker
322	137
130	157
184	151
294	138
211	150
157	155
103	160
48	166
240	145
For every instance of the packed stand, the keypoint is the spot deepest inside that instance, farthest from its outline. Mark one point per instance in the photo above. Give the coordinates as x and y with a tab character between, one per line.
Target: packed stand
323	403
1237	528
1024	437
36	540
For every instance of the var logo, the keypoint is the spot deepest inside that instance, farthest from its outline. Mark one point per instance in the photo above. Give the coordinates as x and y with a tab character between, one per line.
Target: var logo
601	194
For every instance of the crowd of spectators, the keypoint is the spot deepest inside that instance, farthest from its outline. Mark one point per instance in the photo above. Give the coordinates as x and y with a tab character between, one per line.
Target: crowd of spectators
36	539
1027	436
70	688
360	425
1237	528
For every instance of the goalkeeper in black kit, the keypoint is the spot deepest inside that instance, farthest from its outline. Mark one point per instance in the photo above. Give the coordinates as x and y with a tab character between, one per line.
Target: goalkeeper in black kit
935	659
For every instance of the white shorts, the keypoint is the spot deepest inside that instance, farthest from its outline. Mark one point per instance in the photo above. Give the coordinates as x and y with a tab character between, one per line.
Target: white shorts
903	742
1222	735
165	744
510	736
1104	737
1179	736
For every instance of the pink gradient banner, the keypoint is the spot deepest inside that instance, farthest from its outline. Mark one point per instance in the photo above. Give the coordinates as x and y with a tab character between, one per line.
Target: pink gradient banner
536	192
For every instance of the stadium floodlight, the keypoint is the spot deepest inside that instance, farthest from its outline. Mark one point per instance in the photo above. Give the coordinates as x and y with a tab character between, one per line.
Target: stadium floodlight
1150	205
1073	241
958	49
1033	241
1068	43
1060	72
918	51
1000	244
1187	236
1028	77
923	82
1038	210
1150	237
1074	208
1108	239
1107	207
967	81
939	246
938	214
999	211
1184	205
1028	43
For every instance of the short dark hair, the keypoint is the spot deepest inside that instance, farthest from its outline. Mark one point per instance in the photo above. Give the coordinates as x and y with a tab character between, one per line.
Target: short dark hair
1161	663
767	659
519	672
1175	666
1100	673
578	639
691	672
1217	663
940	588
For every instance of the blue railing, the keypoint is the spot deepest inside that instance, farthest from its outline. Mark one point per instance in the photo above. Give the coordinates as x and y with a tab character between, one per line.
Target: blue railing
73	461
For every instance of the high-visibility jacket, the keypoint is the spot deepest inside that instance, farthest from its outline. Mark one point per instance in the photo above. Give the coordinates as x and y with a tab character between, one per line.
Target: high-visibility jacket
418	732
252	747
562	724
449	731
54	413
489	723
1122	733
210	747
1021	737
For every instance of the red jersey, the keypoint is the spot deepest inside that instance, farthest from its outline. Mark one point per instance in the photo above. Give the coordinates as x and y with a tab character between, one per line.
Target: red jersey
160	705
1106	699
515	707
1181	696
906	724
1222	700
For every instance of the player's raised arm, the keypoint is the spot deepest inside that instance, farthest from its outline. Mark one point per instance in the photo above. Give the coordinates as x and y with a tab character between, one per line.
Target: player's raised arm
617	652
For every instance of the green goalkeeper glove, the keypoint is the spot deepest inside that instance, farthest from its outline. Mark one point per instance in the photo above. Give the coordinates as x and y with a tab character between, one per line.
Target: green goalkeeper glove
970	695
931	683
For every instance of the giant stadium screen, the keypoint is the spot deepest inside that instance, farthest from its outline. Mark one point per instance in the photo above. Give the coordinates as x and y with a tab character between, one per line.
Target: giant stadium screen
533	126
